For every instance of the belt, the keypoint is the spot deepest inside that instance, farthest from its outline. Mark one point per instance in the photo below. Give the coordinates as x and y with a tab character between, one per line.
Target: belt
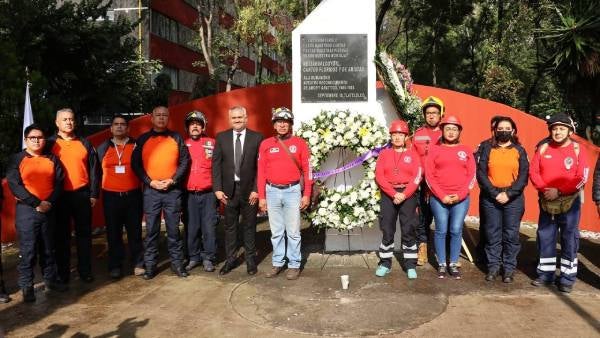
122	193
283	186
198	192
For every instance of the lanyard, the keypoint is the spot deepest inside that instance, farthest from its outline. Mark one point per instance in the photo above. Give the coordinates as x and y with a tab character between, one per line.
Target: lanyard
120	155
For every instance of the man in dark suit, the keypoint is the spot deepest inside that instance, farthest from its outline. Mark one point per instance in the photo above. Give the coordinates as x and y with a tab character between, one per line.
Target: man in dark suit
234	183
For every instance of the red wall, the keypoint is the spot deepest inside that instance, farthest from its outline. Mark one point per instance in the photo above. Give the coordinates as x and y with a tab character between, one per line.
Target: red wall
474	112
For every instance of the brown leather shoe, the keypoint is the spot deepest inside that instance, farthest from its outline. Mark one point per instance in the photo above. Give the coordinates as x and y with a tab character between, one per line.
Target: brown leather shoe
292	274
274	272
422	254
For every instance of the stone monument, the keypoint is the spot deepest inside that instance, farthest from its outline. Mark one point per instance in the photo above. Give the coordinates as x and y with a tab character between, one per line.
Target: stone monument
333	51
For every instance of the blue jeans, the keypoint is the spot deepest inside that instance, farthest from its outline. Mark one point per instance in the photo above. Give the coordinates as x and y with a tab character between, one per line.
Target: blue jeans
284	218
448	217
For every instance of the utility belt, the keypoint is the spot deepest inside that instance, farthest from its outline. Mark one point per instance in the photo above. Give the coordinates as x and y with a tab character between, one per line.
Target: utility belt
560	205
283	186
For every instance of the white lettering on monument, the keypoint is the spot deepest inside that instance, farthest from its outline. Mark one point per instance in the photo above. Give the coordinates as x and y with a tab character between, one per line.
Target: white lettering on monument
334	68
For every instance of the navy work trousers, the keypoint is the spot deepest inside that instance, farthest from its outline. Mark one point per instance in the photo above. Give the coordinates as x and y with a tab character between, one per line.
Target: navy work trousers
34	230
169	204
426	216
549	227
76	206
202	222
390	213
123	209
502	232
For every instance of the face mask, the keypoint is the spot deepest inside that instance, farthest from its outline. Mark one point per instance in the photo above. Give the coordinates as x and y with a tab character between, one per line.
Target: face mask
503	136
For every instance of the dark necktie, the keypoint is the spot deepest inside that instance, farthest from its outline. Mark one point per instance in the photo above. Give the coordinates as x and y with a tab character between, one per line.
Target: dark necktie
238	154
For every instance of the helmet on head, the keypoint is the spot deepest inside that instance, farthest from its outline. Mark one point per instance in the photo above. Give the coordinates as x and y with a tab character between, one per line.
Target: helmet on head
282	114
197	116
561	119
451	119
399	126
435	102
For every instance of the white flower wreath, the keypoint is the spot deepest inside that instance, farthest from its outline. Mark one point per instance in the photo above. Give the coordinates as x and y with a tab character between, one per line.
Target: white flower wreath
344	208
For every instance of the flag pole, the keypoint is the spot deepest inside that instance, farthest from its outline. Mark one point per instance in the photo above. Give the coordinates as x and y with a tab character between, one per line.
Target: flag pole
27	112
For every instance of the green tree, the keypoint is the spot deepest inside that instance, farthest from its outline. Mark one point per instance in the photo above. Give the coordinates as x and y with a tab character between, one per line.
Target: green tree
76	58
572	40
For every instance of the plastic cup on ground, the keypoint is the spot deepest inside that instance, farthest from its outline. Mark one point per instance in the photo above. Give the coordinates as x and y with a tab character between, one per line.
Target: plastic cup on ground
345	281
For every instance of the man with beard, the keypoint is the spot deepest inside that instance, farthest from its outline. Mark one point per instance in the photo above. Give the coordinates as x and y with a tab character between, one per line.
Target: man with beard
558	170
201	202
283	161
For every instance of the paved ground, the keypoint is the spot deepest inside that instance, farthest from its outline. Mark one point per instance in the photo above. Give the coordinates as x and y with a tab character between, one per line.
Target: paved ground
236	305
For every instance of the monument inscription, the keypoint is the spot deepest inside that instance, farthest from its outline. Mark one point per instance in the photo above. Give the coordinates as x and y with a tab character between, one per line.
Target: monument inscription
334	67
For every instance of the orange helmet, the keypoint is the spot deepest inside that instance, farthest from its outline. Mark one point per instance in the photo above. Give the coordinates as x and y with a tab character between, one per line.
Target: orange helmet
399	126
451	119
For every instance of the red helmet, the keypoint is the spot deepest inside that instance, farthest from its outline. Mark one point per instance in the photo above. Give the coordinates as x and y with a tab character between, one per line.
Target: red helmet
451	119
399	126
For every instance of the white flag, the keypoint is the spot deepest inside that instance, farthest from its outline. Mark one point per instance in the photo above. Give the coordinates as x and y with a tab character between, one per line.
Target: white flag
27	113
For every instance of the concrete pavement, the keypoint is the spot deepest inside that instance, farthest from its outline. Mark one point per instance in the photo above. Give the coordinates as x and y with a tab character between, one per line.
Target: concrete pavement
238	305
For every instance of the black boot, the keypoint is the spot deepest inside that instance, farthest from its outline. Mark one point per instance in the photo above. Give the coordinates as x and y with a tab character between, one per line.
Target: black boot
28	294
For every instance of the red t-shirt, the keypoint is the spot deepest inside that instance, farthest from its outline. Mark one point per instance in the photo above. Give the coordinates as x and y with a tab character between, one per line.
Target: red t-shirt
398	168
201	152
450	170
559	167
424	138
276	166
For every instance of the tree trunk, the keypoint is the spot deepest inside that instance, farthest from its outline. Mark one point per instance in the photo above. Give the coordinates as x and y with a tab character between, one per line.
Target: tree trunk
206	38
385	6
232	69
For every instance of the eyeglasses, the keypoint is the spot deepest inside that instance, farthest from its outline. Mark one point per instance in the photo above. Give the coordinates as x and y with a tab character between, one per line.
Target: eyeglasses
35	138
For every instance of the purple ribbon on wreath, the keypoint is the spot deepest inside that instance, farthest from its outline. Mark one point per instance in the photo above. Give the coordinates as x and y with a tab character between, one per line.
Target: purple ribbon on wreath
356	162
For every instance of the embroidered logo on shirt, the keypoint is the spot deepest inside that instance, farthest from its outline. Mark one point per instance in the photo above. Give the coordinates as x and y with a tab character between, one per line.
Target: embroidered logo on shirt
274	150
293	149
568	162
407	159
462	155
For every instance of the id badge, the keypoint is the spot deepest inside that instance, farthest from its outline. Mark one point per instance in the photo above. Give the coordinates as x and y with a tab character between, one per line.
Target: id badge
119	169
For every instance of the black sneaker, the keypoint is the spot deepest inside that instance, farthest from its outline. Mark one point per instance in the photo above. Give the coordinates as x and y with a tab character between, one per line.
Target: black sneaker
442	271
454	271
4	297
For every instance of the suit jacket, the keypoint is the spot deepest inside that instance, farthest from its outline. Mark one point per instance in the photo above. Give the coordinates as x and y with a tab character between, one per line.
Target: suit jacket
223	163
